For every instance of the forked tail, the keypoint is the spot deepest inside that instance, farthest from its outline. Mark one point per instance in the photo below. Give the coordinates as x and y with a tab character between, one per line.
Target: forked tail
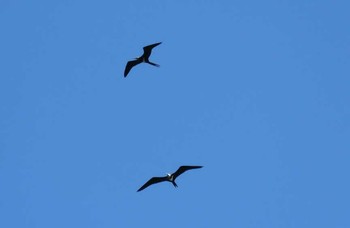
175	185
154	64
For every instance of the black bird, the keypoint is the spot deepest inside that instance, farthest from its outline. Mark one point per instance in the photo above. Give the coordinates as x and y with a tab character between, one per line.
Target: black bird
147	50
169	177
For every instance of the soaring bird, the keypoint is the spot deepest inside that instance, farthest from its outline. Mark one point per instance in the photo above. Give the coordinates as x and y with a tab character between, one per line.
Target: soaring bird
147	50
169	177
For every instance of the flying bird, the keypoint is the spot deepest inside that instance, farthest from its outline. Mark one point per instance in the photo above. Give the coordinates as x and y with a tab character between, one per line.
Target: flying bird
144	58
169	177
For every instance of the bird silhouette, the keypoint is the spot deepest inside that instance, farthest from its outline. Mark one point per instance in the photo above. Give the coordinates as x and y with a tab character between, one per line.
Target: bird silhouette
144	58
169	177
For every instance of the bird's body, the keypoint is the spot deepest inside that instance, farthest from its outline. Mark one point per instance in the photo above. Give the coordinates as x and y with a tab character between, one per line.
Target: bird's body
169	177
144	58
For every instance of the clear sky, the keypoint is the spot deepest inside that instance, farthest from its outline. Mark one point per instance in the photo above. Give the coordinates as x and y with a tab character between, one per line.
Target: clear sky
258	92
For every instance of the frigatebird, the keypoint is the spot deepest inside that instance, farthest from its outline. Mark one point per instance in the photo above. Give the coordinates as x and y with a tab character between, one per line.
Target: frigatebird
147	50
169	177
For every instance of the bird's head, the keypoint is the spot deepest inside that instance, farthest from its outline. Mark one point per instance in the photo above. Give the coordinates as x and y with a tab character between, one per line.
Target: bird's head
168	174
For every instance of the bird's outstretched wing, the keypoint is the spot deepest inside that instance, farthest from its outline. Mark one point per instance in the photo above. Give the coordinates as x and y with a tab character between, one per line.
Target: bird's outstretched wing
148	49
130	65
183	169
151	181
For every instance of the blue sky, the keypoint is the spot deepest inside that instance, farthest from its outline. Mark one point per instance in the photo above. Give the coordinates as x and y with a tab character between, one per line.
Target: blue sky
255	91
